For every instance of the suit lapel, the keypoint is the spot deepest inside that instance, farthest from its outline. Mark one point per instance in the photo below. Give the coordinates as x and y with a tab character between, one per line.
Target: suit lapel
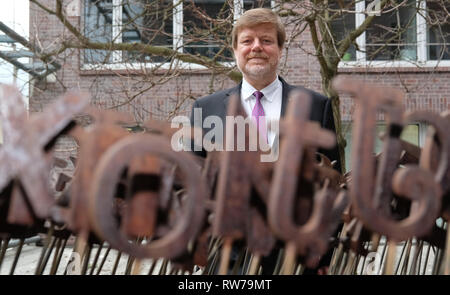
284	96
231	92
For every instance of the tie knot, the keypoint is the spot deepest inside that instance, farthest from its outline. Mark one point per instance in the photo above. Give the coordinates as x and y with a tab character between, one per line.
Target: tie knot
258	94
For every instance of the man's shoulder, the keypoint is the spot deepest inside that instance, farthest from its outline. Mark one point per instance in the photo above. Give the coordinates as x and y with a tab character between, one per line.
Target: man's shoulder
212	98
320	104
316	96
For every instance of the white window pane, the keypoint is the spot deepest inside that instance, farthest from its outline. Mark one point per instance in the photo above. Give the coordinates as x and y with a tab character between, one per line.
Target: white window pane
98	28
206	28
342	24
438	33
149	22
250	4
392	35
410	134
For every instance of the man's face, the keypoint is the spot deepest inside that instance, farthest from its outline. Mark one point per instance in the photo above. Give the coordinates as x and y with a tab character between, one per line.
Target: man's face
257	53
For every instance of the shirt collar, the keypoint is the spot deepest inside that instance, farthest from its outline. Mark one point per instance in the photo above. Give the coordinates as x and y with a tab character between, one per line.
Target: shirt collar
248	89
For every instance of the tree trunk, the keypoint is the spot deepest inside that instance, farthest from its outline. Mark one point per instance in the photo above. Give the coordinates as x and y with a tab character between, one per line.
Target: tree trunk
335	103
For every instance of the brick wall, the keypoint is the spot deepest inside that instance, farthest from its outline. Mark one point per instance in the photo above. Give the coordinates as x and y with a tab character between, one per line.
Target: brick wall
425	88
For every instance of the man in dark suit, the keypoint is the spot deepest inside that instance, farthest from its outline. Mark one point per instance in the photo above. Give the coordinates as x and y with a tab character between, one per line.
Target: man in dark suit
258	37
321	112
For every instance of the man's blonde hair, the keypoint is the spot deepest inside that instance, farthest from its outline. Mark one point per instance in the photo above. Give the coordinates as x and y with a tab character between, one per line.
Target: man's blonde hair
255	17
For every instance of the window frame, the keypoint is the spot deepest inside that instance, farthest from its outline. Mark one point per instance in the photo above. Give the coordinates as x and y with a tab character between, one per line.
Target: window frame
421	136
118	64
421	31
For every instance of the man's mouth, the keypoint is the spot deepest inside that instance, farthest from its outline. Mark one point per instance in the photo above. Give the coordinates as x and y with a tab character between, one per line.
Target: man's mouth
258	58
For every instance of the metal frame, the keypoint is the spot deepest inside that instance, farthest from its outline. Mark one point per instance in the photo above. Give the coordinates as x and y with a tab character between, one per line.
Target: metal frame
37	69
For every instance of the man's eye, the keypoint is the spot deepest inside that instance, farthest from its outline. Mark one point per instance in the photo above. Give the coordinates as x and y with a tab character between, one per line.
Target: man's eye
245	41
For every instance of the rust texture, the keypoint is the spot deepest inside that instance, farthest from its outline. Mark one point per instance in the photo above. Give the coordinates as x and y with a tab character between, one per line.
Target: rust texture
133	191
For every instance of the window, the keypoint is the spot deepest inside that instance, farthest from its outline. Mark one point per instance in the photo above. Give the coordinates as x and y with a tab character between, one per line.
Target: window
416	31
148	22
127	21
392	35
342	24
200	23
190	26
412	133
438	30
98	28
250	4
202	32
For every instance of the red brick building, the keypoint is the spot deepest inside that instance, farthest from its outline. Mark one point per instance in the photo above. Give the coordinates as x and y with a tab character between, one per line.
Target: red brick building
421	67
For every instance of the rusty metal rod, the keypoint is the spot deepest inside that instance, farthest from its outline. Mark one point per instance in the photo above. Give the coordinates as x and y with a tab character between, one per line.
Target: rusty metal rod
406	260
173	271
383	255
401	256
56	256
300	269
435	260
350	263
417	252
376	238
86	259
279	263
366	247
97	255
447	253
16	257
103	260
211	268
152	267
426	259
58	262
5	243
47	241
47	256
130	262
422	243
343	263
163	268
338	253
419	258
136	267
116	263
225	257
390	258
360	257
246	263
238	262
288	267
211	244
438	262
254	264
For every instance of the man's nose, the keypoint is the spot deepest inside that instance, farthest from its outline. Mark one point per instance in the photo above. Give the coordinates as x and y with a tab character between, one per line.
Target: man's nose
257	46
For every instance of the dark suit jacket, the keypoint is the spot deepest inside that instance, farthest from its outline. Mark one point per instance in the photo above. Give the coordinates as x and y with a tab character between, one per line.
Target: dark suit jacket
217	103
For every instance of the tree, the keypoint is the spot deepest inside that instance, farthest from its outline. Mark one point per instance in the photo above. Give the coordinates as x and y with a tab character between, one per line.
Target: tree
146	34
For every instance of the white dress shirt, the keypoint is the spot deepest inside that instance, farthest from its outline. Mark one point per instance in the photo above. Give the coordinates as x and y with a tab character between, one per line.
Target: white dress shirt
271	102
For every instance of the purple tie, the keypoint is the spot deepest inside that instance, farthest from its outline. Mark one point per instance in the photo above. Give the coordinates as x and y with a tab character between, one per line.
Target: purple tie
258	114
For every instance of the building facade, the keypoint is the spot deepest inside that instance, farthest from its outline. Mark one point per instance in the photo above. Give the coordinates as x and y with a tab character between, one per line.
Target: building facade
417	61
